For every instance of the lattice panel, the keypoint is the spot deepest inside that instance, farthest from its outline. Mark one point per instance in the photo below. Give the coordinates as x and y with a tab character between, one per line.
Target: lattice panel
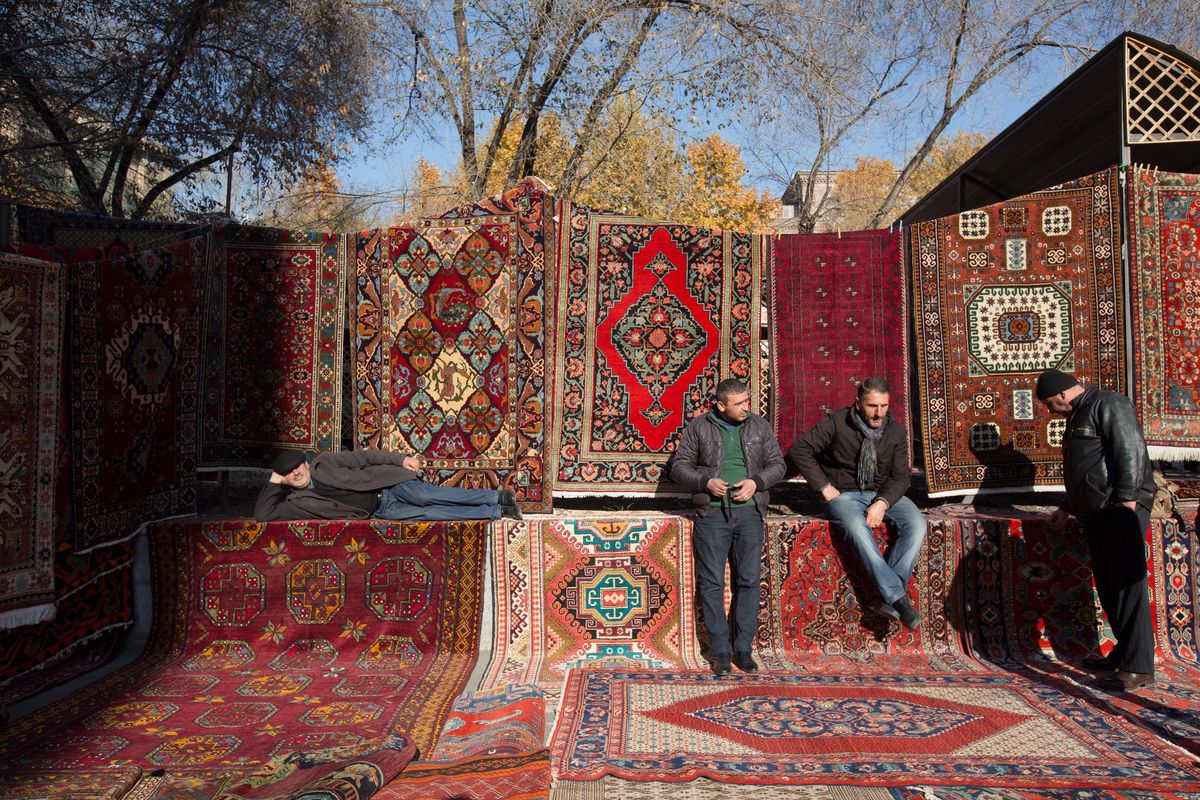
1162	96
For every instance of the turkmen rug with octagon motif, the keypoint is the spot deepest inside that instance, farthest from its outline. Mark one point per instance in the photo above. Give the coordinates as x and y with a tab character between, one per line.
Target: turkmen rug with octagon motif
1005	292
274	327
1002	730
651	317
134	328
32	307
839	315
607	591
275	638
1164	226
450	343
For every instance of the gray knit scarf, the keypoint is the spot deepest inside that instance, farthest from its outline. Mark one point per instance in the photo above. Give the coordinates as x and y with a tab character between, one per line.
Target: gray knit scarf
867	458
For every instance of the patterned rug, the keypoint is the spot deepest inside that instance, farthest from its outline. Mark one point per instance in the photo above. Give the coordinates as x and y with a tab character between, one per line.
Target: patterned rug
609	591
270	639
815	593
274	328
651	317
450	343
1164	222
1005	292
839	315
110	236
134	328
1002	730
32	306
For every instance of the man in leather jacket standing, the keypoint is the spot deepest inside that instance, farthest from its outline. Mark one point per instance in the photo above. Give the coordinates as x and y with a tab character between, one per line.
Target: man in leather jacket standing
729	458
1110	490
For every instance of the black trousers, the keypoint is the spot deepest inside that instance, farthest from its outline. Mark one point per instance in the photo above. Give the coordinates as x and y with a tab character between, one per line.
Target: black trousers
1117	544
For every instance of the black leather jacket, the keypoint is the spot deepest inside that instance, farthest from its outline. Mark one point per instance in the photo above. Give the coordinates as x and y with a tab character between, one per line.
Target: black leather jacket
698	458
1104	455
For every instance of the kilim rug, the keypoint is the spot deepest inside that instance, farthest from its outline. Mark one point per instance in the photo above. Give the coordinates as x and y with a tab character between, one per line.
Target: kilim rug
1005	292
1000	730
272	639
839	315
1164	223
651	317
815	595
609	591
450	343
134	328
275	317
32	305
112	237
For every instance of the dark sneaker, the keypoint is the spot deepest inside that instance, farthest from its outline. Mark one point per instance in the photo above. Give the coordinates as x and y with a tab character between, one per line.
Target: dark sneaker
885	609
508	504
909	616
721	665
745	662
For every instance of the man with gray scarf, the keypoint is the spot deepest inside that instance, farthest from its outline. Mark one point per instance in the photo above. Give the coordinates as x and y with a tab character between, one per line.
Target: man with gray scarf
857	459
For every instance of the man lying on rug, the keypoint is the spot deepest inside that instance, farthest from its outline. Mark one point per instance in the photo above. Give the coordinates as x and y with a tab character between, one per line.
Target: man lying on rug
1110	490
370	483
729	458
857	458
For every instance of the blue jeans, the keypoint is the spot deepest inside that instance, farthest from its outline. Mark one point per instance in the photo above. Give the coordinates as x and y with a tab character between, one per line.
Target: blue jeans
849	510
426	501
735	535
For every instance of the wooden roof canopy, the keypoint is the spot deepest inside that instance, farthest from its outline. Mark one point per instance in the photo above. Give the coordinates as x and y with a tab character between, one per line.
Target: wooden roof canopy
1135	101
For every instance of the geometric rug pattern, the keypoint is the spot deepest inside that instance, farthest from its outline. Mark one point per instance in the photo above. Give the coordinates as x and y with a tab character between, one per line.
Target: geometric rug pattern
1164	223
275	638
274	328
450	343
1005	292
840	729
651	316
106	237
839	315
604	592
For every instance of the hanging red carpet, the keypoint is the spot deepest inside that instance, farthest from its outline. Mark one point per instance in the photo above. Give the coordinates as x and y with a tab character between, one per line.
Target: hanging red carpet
608	590
134	329
32	307
450	343
1164	223
274	317
1005	292
272	639
839	315
651	317
932	730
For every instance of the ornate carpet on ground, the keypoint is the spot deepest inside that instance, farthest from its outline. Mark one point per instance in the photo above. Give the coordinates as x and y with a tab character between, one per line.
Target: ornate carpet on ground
1164	224
815	595
110	236
32	306
1002	730
608	787
608	591
839	315
1005	292
274	317
453	317
134	323
270	639
651	317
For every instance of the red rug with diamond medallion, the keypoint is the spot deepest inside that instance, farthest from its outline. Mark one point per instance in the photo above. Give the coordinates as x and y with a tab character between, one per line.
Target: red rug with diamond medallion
270	639
1000	730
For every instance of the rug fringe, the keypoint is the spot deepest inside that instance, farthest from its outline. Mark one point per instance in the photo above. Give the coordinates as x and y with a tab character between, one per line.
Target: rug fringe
27	616
1164	453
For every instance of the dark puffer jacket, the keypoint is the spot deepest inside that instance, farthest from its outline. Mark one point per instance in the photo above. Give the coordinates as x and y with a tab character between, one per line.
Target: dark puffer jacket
698	459
357	471
827	453
1104	455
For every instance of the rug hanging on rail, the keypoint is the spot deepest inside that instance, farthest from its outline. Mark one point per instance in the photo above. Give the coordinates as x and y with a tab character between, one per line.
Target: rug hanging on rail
999	729
274	317
450	343
652	316
1005	292
839	315
270	639
109	236
607	591
134	363
32	319
1164	223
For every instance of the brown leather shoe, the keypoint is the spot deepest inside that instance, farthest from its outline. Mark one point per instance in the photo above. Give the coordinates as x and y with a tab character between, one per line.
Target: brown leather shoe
1122	681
